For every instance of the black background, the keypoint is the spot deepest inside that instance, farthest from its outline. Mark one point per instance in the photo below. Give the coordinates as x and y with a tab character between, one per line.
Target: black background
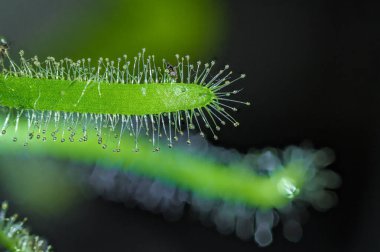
313	74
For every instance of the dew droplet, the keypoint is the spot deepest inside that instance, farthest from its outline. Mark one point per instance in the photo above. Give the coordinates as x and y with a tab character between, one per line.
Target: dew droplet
14	139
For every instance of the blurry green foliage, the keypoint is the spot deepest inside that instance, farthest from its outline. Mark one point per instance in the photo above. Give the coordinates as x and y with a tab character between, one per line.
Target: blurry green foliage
111	28
41	187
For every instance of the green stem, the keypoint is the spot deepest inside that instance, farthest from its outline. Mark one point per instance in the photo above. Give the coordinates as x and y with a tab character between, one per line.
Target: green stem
6	242
101	98
201	175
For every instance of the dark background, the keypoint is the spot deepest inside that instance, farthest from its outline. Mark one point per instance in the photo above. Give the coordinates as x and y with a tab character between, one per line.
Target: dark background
313	74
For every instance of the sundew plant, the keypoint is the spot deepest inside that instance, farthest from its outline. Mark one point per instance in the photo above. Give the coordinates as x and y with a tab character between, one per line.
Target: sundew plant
128	113
15	237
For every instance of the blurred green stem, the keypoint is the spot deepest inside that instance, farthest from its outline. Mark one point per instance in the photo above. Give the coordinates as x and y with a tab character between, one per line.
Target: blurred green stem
6	242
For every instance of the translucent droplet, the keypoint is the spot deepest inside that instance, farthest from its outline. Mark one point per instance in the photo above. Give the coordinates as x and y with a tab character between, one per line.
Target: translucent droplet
288	188
263	236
